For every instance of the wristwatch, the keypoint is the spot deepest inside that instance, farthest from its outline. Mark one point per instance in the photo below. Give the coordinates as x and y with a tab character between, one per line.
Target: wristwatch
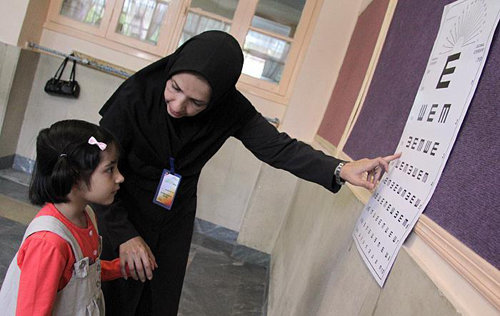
338	179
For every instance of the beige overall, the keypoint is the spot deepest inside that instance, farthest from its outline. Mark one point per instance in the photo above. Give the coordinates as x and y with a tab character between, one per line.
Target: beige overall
81	296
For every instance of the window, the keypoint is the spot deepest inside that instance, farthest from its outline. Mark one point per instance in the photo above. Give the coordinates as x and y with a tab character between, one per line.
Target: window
269	38
141	20
143	24
204	15
90	12
271	32
90	16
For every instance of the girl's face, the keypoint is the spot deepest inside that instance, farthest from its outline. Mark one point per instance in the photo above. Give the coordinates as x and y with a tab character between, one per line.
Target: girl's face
105	180
186	95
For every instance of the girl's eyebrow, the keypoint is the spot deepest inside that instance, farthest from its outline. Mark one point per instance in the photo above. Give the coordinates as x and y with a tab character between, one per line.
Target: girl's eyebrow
113	162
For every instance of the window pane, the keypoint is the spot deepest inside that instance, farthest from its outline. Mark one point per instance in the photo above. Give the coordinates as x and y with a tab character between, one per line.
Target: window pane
278	16
223	8
142	19
86	11
264	56
196	24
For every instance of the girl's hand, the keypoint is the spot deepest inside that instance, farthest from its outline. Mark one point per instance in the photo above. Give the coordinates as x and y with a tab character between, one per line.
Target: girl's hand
366	172
139	258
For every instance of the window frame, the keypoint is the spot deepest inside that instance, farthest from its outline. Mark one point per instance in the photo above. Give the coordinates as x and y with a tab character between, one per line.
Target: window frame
53	15
171	31
170	20
281	92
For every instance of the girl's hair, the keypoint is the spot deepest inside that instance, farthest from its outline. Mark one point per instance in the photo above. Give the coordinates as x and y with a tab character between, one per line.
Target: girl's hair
64	157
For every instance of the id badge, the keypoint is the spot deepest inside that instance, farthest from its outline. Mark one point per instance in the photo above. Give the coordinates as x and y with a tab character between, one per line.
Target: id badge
167	188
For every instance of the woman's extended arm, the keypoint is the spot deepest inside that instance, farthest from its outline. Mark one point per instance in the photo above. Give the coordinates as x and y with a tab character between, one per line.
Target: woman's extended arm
283	152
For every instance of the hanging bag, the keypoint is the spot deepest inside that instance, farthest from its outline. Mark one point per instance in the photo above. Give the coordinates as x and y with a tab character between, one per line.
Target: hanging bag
67	88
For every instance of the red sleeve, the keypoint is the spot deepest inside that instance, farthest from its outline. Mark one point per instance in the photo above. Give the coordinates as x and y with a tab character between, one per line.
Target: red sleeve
110	270
44	259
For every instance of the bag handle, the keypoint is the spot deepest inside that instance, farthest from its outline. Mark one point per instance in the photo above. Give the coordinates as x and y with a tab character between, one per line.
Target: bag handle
61	68
73	74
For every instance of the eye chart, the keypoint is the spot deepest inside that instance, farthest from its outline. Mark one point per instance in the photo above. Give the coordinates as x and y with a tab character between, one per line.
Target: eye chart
447	87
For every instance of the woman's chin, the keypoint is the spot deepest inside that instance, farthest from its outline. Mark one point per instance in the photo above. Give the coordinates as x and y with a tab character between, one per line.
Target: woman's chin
174	114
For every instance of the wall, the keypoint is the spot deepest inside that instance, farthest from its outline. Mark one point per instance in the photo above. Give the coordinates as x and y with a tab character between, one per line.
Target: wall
32	27
226	183
67	44
320	68
12	13
43	109
344	99
17	101
460	215
316	268
267	208
9	56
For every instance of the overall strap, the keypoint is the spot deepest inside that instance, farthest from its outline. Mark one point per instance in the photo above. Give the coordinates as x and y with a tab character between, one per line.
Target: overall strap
91	214
52	224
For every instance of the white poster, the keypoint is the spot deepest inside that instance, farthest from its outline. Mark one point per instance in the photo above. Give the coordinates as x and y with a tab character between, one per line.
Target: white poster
448	85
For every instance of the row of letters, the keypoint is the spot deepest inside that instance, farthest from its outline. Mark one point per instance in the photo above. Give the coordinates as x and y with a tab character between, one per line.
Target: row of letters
422	145
432	112
413	171
369	251
401	191
398	215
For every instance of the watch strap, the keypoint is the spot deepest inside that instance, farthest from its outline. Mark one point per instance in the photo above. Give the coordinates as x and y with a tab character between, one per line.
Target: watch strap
338	179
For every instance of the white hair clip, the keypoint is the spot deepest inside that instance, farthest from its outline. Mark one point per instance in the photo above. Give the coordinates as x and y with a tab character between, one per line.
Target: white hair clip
93	141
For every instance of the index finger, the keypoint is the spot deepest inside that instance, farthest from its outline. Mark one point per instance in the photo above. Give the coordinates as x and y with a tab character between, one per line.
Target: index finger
392	157
381	162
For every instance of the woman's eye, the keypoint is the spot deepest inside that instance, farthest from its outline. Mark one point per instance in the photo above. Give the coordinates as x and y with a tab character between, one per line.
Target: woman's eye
198	104
175	87
110	170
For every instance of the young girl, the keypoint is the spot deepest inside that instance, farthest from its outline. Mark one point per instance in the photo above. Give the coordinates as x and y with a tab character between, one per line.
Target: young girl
57	270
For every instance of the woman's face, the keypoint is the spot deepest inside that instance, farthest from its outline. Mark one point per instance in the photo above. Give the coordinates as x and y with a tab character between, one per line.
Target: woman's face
186	95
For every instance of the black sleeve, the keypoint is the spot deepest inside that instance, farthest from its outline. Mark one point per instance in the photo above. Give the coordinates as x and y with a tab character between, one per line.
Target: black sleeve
281	151
113	219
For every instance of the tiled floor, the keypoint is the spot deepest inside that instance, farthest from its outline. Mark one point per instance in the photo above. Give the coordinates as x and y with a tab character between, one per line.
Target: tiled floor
216	282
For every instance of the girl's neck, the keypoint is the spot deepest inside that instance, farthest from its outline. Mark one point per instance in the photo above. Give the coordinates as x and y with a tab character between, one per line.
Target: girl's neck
74	212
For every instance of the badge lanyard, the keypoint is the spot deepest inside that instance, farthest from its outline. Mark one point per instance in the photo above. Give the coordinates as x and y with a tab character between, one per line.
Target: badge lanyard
167	188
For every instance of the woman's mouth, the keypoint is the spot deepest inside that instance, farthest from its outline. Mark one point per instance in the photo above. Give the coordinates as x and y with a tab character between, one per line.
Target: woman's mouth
173	113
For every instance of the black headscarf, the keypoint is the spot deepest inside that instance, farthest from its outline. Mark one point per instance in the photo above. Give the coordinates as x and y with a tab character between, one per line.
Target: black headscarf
136	113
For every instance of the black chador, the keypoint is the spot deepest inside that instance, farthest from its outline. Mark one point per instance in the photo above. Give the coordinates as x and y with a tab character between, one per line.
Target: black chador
152	141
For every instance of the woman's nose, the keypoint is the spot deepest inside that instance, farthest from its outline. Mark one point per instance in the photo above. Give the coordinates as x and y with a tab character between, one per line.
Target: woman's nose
178	104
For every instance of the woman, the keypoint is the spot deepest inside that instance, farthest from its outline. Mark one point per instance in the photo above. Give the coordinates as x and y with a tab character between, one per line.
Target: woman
172	117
